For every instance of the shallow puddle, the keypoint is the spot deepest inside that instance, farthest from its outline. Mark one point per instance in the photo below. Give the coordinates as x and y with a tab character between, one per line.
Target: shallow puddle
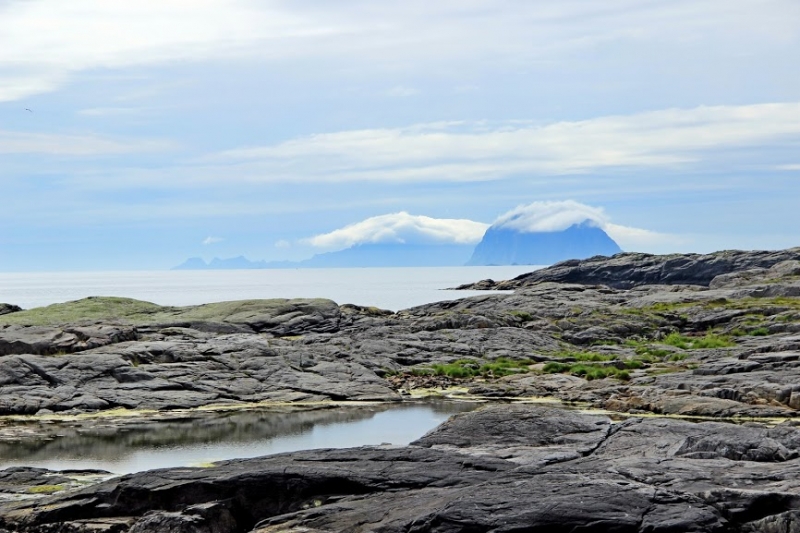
203	439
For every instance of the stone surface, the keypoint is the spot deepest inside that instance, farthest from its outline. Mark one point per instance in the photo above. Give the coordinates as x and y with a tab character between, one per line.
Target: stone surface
6	309
150	357
49	340
715	336
557	470
628	270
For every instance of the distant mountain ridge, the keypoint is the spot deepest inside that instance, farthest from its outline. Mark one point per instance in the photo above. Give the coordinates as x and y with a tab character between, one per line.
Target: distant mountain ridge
362	255
506	246
500	246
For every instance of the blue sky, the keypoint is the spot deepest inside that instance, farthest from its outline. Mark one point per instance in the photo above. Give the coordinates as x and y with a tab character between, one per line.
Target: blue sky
161	130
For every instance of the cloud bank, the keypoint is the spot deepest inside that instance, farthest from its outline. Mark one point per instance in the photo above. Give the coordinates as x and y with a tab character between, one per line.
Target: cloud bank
543	217
402	228
13	142
58	38
535	217
459	151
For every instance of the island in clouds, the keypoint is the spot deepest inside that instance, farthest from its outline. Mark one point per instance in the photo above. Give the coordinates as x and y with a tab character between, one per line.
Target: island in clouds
540	233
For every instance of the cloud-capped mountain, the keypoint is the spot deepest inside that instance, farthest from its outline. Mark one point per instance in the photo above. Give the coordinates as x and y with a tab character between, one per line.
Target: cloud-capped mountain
539	233
543	233
511	246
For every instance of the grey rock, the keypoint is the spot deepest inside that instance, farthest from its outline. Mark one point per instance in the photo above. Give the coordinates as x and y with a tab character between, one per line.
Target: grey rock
6	309
46	340
627	270
639	475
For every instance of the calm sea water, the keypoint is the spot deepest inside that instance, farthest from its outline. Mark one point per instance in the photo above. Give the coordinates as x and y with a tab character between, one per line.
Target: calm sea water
387	288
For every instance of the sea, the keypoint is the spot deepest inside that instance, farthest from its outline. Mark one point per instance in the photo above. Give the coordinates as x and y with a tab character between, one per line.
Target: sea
386	288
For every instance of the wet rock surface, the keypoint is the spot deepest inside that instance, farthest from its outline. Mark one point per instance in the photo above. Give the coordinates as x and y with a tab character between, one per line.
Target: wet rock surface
502	468
714	336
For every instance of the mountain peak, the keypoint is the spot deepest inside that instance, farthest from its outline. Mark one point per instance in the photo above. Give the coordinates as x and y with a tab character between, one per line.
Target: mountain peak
508	246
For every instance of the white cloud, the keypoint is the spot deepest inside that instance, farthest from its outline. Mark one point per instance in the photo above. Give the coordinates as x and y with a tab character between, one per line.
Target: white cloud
212	240
788	168
401	91
543	217
483	151
108	111
642	240
402	228
74	145
58	38
282	244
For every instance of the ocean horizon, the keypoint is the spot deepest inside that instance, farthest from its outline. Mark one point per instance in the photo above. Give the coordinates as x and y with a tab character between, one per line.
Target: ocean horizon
392	288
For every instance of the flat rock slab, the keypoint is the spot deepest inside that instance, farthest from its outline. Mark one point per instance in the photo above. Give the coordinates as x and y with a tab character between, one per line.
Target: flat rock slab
640	475
47	340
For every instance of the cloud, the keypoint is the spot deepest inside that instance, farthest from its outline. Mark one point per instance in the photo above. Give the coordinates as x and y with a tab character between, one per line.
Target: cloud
212	240
544	217
282	244
12	142
642	240
459	151
108	111
58	38
402	228
788	168
401	91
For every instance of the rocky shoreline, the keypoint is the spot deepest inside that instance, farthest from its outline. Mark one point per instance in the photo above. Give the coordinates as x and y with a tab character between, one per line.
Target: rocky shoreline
712	336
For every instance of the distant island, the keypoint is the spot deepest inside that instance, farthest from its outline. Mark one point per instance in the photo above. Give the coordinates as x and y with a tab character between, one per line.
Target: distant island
506	246
361	255
512	240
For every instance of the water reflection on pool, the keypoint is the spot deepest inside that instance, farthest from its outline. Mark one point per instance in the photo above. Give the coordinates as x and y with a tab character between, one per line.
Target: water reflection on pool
213	437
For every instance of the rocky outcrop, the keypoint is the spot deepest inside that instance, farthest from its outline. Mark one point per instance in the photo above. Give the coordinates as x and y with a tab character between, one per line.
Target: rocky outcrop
179	374
715	336
8	308
628	270
502	468
730	350
49	340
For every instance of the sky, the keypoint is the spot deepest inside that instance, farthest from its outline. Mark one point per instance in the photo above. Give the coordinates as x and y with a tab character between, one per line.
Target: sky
134	135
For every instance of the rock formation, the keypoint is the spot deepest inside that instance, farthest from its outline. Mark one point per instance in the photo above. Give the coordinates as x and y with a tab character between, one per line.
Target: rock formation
713	336
500	469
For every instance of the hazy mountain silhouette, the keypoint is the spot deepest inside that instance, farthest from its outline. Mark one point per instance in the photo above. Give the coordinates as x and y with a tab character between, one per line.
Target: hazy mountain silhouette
506	246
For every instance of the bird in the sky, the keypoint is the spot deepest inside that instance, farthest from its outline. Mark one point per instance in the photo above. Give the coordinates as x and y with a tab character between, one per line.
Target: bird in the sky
29	110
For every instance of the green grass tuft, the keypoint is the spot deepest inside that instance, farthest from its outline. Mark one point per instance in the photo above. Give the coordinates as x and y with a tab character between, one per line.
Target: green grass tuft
45	489
587	371
711	340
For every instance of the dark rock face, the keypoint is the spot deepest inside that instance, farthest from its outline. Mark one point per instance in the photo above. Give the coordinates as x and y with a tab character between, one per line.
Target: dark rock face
48	340
503	246
562	471
9	308
180	374
629	270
